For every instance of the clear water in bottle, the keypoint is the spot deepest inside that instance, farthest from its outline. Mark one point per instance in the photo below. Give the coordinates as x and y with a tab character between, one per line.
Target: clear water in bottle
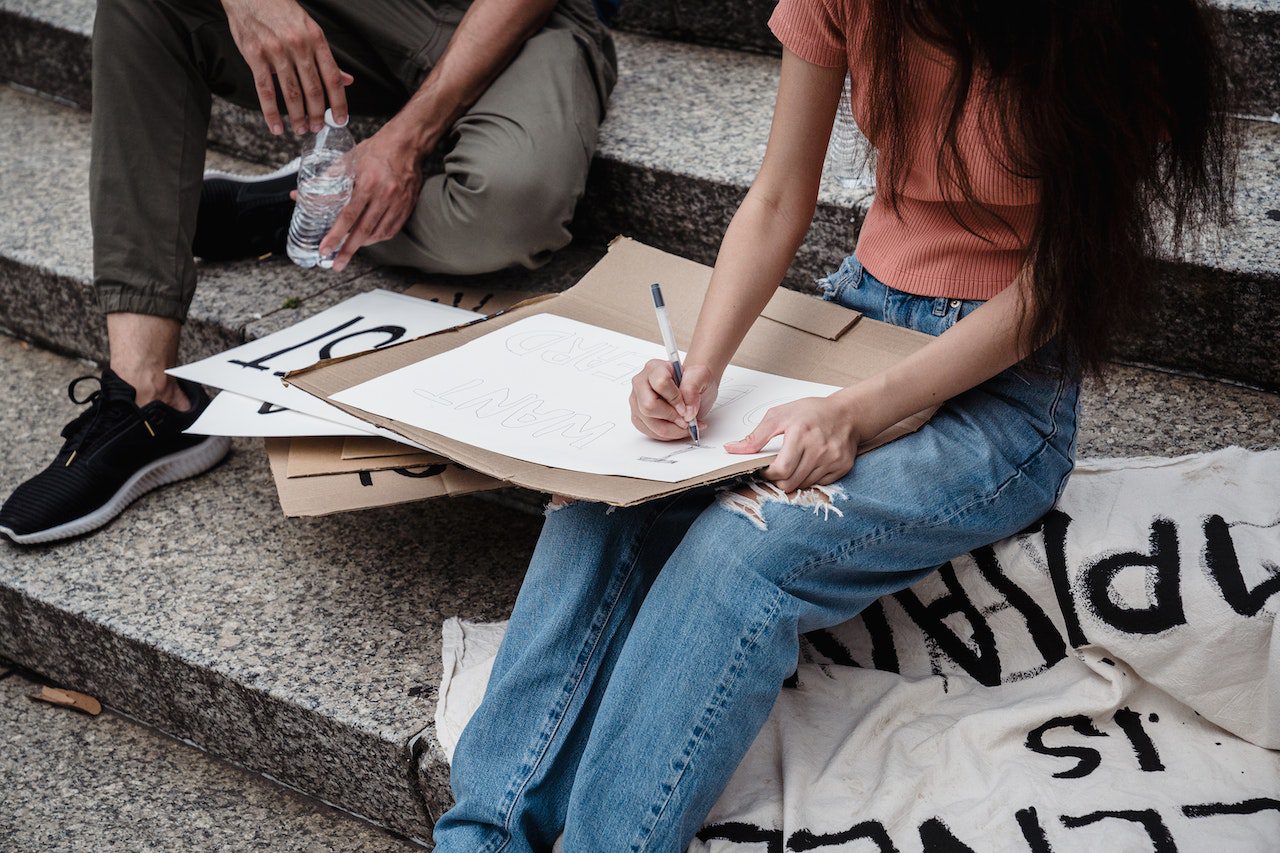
324	188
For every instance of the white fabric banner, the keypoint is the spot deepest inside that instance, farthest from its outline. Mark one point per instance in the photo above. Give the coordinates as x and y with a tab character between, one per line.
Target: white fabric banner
1107	681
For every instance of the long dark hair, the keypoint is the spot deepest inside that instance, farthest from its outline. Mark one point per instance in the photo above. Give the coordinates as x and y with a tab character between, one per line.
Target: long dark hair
1118	110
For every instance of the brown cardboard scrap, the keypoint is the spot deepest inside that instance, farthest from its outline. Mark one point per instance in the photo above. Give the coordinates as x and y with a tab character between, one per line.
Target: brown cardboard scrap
615	294
807	314
326	494
314	456
67	699
368	446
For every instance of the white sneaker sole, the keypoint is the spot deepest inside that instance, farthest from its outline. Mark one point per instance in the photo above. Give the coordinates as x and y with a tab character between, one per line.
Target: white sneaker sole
162	472
292	166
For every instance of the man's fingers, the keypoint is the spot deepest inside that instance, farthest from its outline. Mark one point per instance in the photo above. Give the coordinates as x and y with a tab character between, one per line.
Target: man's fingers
264	85
313	92
358	237
335	81
342	226
291	91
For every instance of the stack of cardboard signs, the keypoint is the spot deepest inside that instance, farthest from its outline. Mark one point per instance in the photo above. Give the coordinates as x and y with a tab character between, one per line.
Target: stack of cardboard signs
394	397
538	396
323	460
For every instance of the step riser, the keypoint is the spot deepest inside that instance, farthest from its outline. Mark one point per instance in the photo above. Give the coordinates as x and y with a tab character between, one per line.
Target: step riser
1213	324
227	718
1251	37
61	314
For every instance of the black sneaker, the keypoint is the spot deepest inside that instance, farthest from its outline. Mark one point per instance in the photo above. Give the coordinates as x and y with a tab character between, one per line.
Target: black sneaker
114	453
244	216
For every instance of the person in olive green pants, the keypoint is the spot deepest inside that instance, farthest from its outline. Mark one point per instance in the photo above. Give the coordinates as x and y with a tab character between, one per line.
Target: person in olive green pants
510	92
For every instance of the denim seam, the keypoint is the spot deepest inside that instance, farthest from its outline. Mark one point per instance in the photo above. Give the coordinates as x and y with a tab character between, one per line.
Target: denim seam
593	640
710	715
945	516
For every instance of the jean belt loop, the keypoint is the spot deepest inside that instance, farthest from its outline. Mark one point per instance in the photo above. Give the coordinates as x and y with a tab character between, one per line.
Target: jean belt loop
940	306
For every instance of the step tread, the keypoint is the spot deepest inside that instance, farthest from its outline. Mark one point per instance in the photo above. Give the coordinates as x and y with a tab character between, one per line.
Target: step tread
327	625
109	783
310	649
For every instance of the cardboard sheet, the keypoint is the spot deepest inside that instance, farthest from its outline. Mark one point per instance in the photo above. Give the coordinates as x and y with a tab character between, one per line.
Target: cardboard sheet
615	295
311	457
367	446
370	320
554	391
323	495
236	415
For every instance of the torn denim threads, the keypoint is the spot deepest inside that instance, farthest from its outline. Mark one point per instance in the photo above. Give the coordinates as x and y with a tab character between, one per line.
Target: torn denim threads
648	644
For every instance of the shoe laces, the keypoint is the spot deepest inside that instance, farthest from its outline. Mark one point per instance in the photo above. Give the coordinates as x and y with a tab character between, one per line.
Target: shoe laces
93	420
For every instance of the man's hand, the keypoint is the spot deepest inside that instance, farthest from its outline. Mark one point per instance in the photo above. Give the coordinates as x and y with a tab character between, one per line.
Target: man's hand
661	409
276	37
820	444
388	178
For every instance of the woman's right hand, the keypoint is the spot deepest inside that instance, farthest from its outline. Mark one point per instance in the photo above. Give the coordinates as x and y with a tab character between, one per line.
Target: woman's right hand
661	409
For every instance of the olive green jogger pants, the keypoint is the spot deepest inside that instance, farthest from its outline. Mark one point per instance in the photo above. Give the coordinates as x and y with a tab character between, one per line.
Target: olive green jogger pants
514	165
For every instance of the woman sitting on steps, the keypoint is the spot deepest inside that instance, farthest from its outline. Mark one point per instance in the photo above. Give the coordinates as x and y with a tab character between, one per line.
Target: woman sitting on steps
1029	155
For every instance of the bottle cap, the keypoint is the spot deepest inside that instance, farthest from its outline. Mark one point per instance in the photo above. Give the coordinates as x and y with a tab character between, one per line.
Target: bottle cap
333	122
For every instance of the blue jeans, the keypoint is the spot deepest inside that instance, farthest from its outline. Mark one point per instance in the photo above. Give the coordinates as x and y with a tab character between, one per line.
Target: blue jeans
648	644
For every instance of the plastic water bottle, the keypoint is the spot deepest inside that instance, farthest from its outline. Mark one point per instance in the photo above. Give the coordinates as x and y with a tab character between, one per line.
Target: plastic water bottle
850	150
324	188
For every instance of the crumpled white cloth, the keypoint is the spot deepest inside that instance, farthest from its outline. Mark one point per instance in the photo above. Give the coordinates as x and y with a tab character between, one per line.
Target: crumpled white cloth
1110	681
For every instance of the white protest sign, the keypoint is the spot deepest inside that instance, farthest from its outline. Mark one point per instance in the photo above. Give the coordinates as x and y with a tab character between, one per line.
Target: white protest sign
555	391
235	415
368	321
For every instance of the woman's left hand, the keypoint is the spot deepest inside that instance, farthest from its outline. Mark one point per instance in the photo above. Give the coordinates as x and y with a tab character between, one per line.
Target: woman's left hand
820	442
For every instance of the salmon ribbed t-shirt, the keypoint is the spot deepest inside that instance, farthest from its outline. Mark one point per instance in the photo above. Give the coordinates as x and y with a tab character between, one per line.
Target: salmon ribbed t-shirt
926	251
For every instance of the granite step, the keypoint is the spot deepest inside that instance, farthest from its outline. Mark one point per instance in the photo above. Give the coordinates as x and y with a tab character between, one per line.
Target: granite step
306	650
650	181
108	783
309	650
1250	29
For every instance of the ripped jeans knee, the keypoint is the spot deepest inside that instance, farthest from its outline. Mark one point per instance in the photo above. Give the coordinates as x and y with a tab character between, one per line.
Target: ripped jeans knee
749	498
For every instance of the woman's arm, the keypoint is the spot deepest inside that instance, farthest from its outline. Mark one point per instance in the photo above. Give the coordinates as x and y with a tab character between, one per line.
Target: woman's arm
823	433
756	250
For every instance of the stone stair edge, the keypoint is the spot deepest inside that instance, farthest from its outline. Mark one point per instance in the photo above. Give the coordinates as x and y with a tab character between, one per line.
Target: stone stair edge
171	706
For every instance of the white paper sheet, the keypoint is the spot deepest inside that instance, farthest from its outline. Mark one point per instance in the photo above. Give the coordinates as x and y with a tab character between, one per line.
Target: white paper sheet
555	391
235	415
368	321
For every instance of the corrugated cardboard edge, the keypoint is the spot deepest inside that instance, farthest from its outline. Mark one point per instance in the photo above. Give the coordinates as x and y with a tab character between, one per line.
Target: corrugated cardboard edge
316	456
299	498
628	490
